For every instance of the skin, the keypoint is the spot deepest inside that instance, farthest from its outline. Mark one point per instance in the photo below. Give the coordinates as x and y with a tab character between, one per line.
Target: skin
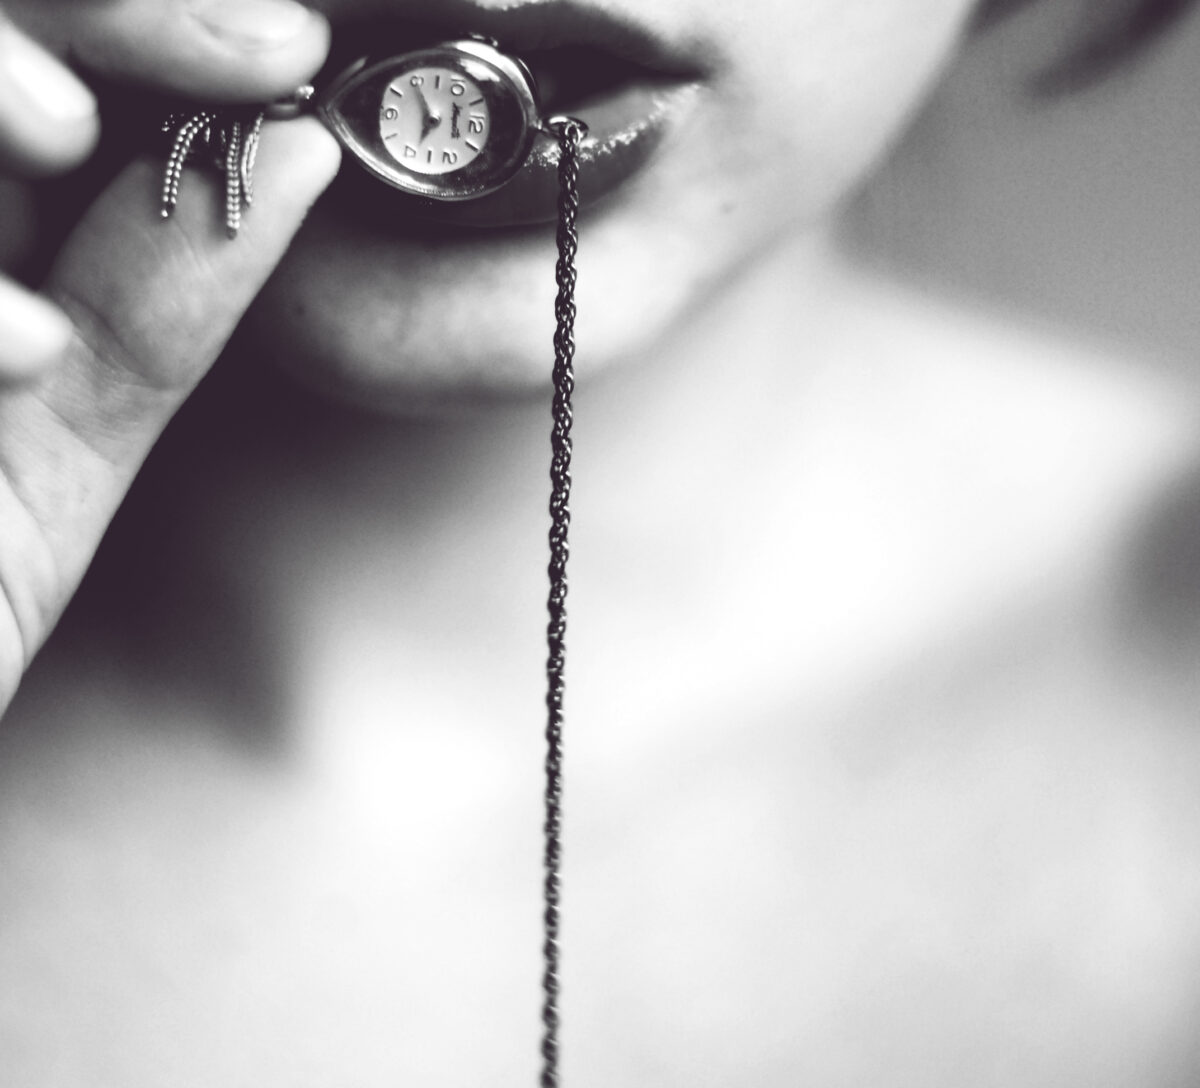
857	798
821	91
684	227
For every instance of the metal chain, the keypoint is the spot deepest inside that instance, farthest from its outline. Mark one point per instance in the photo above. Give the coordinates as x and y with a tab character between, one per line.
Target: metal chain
570	134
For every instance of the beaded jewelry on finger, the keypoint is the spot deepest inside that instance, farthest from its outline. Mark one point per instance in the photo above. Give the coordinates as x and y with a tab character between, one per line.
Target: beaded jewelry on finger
230	144
226	139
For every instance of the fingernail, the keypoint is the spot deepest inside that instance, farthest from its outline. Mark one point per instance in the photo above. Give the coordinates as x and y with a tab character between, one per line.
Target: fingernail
49	85
253	24
33	332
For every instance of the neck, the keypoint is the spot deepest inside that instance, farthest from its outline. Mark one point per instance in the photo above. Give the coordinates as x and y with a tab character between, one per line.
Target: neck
835	470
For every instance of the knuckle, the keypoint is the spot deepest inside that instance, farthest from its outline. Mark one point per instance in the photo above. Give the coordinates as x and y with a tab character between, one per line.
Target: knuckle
119	369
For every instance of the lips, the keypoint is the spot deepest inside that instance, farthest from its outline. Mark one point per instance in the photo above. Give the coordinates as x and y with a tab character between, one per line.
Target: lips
628	86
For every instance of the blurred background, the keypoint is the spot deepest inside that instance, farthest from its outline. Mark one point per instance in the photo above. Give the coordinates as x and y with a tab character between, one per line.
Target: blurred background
1078	205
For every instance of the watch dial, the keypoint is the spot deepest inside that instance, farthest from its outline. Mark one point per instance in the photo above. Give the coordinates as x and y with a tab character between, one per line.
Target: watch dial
449	122
434	120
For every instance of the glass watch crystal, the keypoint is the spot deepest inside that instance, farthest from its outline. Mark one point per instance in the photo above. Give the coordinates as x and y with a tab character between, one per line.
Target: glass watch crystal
449	122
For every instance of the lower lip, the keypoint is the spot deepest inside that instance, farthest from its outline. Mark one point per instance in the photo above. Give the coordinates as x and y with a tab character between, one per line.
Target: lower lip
624	130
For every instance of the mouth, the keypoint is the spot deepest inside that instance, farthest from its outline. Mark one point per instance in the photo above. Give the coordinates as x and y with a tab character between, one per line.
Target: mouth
629	87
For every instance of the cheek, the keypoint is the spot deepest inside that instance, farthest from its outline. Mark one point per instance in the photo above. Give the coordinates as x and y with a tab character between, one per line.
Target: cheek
813	93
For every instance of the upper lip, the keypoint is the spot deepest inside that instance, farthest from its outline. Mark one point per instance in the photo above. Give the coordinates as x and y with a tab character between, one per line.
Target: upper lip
529	31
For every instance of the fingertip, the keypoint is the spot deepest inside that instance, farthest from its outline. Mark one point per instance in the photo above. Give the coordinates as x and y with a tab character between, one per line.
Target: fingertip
276	45
48	117
34	334
209	50
252	25
44	153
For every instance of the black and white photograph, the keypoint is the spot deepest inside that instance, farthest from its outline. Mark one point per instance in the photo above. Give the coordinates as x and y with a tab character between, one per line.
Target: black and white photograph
599	543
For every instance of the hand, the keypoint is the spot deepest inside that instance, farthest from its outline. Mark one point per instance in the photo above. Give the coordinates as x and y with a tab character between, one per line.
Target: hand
429	119
135	308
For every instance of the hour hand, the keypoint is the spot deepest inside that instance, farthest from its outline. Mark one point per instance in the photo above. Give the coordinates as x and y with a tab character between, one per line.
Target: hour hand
429	119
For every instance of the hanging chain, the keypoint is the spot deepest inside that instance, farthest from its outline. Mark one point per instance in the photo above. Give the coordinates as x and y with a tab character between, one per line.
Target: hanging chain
569	133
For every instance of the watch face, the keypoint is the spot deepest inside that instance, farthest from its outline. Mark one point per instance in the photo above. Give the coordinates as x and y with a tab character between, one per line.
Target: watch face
434	120
451	122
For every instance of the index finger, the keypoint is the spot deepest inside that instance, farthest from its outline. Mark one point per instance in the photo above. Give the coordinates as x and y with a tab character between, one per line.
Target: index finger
215	50
153	302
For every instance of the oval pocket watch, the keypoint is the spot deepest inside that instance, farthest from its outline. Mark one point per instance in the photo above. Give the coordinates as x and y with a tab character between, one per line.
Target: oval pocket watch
449	122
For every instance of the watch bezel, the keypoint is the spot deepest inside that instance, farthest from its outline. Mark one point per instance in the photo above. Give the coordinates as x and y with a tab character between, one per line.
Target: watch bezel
352	103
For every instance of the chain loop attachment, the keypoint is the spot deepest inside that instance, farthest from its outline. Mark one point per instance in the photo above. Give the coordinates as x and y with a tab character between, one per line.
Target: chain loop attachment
561	125
293	105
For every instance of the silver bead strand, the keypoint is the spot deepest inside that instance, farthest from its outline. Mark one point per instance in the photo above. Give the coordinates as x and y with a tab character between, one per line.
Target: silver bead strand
227	140
233	179
181	150
249	158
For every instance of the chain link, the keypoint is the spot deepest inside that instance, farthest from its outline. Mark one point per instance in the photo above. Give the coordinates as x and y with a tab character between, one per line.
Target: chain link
569	133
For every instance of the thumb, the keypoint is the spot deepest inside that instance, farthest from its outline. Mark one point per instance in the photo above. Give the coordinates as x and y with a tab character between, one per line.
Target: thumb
209	50
153	302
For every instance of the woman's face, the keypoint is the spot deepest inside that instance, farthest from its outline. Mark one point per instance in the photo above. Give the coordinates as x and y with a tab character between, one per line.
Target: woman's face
749	121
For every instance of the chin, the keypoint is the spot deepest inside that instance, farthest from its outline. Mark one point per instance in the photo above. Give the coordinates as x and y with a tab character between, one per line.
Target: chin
397	305
423	315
